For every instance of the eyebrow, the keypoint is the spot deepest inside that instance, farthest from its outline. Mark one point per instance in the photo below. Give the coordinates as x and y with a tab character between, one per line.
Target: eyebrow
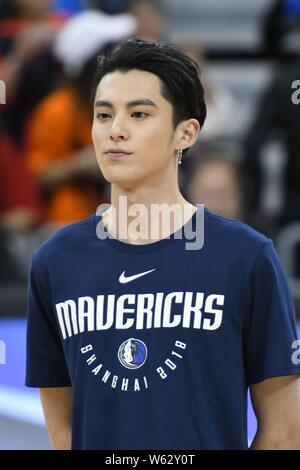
130	104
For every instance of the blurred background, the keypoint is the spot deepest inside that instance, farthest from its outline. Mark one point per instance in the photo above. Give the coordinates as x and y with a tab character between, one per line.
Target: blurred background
246	164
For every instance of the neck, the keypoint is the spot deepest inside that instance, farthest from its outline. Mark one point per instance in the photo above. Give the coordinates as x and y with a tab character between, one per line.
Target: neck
146	214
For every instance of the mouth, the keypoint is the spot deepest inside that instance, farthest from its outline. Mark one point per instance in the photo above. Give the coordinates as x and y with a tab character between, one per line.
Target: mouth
116	154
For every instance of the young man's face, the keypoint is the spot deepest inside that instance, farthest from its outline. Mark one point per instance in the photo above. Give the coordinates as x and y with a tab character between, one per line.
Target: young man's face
132	116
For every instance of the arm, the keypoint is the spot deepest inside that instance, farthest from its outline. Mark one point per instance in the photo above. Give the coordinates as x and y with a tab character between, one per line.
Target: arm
57	407
82	163
58	161
276	404
30	41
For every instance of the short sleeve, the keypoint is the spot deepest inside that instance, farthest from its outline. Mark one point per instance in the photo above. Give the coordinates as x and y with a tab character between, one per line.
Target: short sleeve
45	360
271	323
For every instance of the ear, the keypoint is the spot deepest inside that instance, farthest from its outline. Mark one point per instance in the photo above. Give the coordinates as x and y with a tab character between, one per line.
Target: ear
187	133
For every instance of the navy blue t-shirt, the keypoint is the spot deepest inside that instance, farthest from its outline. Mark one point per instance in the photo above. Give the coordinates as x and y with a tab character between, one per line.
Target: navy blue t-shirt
159	343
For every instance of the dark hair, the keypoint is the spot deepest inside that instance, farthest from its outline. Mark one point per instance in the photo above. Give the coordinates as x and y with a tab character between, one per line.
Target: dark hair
180	75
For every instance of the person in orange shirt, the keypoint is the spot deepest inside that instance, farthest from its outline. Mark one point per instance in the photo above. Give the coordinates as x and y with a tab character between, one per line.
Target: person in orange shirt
58	137
26	27
59	154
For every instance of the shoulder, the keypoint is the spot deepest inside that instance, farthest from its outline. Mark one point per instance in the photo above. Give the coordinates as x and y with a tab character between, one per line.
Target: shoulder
233	234
65	242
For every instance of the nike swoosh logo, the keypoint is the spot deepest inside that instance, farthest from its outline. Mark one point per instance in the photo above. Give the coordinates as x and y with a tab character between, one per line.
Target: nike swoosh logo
124	279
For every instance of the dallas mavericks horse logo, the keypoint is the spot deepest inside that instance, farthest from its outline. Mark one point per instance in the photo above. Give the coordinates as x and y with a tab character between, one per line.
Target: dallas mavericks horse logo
132	353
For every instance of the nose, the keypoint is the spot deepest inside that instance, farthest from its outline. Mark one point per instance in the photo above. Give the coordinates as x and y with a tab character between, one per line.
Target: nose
118	130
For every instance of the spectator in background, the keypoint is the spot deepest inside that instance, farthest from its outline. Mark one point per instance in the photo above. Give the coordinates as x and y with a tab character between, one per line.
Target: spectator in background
150	15
151	19
20	208
220	102
277	118
20	201
215	181
279	27
58	142
27	29
25	10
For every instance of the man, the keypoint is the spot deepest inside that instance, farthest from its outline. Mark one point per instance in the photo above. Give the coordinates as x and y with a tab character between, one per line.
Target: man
129	325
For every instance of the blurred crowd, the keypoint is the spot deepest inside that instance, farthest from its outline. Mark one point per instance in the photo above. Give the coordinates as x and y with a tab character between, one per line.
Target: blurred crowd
48	172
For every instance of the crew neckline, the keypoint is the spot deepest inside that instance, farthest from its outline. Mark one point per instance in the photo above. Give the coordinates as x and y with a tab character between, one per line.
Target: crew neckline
168	241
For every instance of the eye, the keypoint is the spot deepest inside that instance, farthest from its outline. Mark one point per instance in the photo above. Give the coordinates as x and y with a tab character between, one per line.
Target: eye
102	116
139	114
